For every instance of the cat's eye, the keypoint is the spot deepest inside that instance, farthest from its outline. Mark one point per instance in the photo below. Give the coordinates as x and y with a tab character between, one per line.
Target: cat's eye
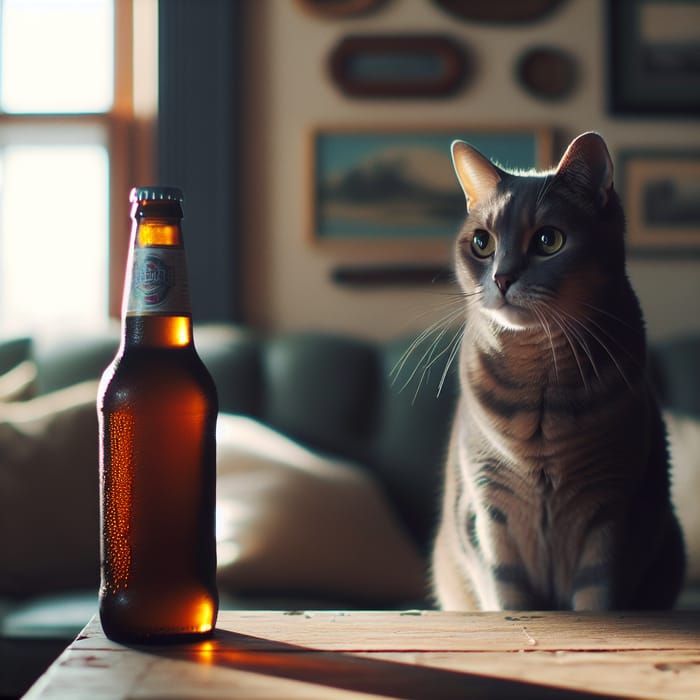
483	243
548	240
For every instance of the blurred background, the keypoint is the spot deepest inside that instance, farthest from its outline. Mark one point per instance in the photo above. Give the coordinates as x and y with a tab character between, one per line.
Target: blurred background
227	99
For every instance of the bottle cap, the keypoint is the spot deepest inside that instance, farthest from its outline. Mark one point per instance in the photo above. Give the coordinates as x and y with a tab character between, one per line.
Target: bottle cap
156	193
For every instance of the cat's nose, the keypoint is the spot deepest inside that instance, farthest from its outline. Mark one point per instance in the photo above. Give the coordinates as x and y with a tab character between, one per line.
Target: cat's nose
504	281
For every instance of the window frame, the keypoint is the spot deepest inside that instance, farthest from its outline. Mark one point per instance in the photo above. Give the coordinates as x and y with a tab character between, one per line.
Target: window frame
129	140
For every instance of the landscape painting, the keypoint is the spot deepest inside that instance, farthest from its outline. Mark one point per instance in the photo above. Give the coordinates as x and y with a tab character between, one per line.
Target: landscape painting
376	185
661	191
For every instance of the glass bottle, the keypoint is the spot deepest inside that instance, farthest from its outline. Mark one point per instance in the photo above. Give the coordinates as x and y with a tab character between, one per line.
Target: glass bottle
157	409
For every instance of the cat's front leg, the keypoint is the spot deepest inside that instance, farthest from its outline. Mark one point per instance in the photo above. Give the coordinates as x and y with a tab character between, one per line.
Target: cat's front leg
592	598
506	584
476	564
593	580
453	586
453	556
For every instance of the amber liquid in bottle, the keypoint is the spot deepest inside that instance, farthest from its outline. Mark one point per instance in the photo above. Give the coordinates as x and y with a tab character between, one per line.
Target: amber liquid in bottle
157	409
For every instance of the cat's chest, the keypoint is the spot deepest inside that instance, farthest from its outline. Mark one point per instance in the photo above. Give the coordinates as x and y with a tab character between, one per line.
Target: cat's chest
516	399
528	408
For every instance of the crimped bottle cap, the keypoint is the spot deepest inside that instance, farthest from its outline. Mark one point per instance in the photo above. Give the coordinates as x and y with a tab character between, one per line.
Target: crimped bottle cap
156	193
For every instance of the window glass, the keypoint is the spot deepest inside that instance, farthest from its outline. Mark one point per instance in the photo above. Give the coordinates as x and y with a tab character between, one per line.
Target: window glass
53	237
57	56
59	156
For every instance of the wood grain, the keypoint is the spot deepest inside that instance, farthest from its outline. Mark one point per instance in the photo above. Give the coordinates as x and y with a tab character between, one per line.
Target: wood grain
414	654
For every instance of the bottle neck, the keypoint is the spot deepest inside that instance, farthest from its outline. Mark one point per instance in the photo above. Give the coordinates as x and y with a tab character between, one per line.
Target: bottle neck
156	308
161	231
157	331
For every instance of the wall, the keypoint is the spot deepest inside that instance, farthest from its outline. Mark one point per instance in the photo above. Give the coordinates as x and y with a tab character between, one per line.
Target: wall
286	279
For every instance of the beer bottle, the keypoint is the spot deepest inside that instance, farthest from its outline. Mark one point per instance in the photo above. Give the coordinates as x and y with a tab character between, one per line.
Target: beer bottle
157	409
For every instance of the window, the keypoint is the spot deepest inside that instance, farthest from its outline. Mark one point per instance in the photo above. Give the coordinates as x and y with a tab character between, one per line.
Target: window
75	123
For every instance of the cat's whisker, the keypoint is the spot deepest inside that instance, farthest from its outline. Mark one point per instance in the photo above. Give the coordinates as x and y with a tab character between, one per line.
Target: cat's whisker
544	189
571	323
427	366
400	366
604	345
611	336
601	342
567	332
548	332
547	308
422	336
605	312
456	344
437	330
630	355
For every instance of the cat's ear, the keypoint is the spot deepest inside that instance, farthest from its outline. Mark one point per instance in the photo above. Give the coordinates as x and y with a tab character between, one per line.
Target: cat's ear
588	164
477	175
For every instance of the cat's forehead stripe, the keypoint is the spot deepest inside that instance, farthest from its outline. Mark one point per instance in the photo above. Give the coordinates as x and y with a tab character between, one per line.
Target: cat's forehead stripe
516	211
497	209
526	217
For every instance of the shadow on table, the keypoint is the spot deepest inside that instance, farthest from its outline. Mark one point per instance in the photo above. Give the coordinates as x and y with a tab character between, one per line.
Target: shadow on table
355	672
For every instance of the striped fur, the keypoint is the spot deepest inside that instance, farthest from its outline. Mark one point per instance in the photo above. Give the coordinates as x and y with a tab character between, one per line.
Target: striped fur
556	488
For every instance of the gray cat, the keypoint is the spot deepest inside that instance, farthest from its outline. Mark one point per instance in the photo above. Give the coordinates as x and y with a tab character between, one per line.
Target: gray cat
556	492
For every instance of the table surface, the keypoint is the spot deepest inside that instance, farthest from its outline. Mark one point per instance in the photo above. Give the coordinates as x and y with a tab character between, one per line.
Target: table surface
410	654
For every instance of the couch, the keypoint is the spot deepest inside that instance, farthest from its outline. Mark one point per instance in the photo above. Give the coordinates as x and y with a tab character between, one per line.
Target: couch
329	464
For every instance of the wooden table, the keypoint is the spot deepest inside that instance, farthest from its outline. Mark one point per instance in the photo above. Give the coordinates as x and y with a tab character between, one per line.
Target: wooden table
412	654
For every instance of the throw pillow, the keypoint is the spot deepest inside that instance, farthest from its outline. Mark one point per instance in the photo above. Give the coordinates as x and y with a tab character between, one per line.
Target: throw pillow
684	443
49	492
18	383
291	520
288	520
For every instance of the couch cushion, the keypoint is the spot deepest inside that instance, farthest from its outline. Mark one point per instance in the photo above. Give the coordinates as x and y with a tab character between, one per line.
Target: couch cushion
18	383
48	492
18	373
418	394
321	389
13	351
292	521
232	356
52	616
676	372
684	444
65	360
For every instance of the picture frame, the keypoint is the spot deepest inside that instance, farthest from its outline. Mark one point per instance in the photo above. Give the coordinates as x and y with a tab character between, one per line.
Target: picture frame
499	12
339	9
661	193
653	57
410	65
394	186
547	72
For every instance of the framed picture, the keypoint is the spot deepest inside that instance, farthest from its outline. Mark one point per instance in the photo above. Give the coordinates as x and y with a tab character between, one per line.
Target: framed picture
661	192
394	185
654	57
547	72
499	12
420	65
339	9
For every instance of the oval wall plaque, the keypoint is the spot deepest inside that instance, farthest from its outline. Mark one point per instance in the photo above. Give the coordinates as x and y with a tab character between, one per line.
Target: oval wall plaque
499	11
398	66
547	72
337	9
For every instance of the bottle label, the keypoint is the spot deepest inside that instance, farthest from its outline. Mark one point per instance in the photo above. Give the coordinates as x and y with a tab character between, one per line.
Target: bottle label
159	283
